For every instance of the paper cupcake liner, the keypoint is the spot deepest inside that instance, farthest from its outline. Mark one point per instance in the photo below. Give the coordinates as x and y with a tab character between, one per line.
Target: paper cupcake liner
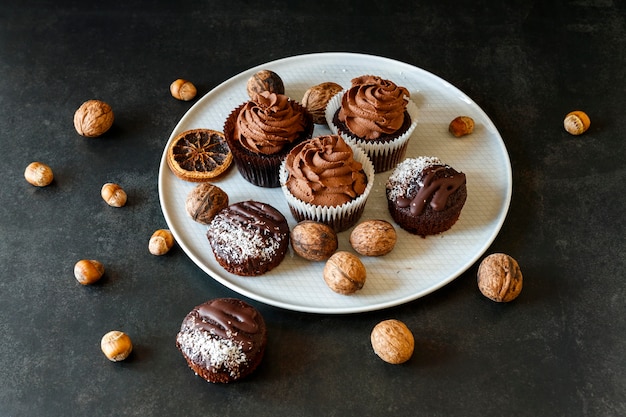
384	155
340	218
258	169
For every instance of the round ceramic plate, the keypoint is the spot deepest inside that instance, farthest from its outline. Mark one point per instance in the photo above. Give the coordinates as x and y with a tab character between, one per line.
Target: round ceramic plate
417	266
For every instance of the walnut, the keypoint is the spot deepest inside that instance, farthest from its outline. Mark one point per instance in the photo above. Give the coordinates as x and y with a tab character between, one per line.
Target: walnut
344	273
264	80
317	97
461	126
93	118
373	238
499	277
392	341
313	240
205	201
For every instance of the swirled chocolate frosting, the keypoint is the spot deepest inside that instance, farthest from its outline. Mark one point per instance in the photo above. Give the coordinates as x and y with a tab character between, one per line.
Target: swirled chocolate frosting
269	123
373	106
323	172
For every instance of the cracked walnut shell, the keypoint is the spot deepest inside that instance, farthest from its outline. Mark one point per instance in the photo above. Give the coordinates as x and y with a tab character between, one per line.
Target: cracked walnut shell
392	341
500	278
93	118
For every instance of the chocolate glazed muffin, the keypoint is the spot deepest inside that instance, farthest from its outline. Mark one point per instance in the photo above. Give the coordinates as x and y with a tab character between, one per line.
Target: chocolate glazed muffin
223	340
249	238
425	196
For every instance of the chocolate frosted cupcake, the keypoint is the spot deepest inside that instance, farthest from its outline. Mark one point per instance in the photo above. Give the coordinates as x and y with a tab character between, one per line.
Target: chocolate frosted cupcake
223	340
249	238
327	180
378	116
425	196
261	132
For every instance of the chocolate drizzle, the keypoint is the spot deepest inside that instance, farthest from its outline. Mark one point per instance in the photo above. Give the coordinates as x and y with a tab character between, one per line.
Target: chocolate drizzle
229	320
439	182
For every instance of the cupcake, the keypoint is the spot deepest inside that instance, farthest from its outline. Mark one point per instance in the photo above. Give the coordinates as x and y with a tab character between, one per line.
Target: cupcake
425	196
261	132
223	340
249	238
378	116
328	180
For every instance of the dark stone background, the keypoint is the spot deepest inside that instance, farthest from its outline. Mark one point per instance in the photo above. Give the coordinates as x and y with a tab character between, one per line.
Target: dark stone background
558	350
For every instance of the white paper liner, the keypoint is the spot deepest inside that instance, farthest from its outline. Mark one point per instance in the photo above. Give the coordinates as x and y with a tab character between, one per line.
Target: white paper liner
372	148
324	214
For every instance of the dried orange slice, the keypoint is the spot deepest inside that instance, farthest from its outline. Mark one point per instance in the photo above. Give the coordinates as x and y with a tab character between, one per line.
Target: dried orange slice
198	155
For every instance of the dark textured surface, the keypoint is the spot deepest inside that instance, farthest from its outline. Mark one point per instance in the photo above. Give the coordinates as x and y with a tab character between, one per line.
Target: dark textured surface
558	350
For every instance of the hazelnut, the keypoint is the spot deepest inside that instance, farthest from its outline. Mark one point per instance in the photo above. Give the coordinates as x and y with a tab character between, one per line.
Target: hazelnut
373	238
205	201
461	126
344	273
93	118
264	80
161	242
88	271
183	90
116	345
38	174
317	97
576	122
392	341
313	240
113	194
499	277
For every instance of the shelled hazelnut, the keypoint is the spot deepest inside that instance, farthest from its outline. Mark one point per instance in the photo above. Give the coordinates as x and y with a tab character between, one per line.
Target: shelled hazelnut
392	341
183	90
373	238
161	242
576	122
461	126
113	194
38	174
88	271
93	118
344	273
116	345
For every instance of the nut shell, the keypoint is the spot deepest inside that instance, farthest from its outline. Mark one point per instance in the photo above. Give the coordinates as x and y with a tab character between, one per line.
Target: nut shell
161	242
313	240
373	238
38	174
205	201
461	126
344	273
183	90
93	118
113	194
116	345
317	97
500	278
576	122
264	80
392	341
88	271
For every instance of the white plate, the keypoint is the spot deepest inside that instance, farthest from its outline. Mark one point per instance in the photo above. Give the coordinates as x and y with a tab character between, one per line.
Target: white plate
416	266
